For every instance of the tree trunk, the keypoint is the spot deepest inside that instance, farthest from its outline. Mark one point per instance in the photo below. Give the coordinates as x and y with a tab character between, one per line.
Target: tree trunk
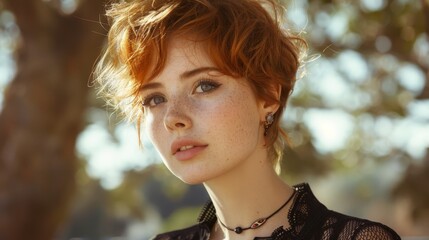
43	114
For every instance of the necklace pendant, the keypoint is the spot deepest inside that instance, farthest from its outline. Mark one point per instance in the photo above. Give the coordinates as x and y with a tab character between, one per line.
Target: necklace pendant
258	223
238	230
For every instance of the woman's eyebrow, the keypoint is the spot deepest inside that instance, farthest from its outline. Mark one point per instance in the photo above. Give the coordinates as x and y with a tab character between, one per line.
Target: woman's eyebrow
184	75
150	85
196	71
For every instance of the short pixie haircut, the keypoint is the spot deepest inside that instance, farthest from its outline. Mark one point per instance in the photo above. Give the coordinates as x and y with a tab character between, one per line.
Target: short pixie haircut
244	38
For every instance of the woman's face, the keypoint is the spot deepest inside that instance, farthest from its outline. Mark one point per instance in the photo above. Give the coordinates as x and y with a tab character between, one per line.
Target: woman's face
204	124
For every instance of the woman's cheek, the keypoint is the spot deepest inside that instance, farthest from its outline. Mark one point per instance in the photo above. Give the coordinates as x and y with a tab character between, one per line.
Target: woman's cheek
150	126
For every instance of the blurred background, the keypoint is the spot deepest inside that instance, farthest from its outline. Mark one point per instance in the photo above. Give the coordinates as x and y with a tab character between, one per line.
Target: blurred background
71	169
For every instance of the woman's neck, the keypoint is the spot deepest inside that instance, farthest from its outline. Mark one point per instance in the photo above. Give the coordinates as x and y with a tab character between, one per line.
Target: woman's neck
251	191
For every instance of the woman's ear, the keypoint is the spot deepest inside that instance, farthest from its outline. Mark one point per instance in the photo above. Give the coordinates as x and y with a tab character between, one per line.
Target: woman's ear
271	106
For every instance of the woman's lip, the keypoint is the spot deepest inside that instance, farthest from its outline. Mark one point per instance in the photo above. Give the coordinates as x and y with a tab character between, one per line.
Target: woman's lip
189	153
190	148
181	143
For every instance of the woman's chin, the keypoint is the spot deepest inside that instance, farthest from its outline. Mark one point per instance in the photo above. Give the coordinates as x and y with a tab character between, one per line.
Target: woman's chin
191	180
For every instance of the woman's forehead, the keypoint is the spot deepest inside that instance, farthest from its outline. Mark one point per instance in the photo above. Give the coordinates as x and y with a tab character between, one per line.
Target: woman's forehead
185	55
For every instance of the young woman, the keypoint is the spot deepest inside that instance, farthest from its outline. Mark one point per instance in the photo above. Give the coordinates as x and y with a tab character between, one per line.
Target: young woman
209	80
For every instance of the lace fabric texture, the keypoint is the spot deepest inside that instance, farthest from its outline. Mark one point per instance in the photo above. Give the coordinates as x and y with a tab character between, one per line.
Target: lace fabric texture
309	220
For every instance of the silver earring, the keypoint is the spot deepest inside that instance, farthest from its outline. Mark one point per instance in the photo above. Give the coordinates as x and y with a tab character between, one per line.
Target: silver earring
269	119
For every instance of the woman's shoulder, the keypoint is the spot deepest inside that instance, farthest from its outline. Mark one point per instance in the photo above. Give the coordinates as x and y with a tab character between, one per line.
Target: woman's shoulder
348	227
313	220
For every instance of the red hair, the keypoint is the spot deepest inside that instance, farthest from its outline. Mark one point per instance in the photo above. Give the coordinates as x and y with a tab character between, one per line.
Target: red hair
244	38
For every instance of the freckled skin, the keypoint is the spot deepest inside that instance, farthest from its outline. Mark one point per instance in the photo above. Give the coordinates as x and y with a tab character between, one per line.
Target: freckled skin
227	119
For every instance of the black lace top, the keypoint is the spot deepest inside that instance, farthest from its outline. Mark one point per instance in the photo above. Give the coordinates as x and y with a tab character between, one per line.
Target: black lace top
309	220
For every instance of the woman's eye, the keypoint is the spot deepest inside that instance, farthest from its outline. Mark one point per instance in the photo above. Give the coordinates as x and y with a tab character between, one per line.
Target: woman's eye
152	101
206	86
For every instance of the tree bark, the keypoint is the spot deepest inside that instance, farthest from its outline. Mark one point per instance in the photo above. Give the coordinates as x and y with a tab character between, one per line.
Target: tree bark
43	113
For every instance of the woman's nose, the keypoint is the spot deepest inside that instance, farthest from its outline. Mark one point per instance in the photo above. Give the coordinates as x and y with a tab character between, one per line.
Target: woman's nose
176	118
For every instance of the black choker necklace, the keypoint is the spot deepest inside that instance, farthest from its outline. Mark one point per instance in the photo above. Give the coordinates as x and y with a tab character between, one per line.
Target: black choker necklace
260	221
